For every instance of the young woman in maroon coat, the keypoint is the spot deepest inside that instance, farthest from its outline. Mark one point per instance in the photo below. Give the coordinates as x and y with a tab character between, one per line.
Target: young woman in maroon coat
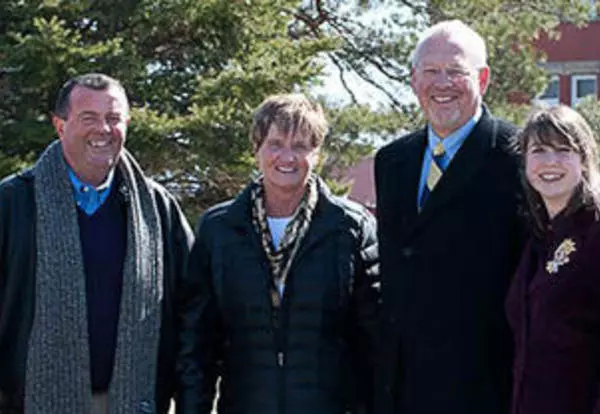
553	305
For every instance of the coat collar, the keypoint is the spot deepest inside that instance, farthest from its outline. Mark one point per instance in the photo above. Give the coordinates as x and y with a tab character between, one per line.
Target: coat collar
469	159
575	225
326	218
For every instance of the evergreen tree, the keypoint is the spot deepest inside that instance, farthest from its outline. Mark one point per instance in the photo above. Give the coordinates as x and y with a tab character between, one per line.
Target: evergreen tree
589	107
195	71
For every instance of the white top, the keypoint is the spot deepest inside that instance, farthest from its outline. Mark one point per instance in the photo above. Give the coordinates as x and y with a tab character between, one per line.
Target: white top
277	227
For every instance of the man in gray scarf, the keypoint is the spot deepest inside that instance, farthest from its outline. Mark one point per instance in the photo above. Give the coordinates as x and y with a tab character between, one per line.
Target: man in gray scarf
91	254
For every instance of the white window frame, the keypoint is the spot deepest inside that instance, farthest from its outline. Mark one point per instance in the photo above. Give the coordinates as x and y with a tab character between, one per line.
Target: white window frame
574	79
549	101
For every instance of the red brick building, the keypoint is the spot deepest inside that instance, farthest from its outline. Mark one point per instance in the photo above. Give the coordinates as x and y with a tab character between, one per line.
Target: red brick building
361	176
573	63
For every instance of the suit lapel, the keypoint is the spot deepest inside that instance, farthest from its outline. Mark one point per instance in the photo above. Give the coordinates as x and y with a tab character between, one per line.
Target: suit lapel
413	166
402	185
469	159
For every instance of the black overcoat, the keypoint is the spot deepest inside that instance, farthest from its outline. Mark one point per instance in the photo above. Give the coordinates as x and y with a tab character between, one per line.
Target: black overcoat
445	343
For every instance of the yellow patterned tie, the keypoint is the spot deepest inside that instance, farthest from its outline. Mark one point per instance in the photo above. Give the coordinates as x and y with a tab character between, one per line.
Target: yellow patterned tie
435	172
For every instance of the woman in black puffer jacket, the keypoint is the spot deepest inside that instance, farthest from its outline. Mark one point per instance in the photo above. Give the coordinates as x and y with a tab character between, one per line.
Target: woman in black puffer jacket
281	294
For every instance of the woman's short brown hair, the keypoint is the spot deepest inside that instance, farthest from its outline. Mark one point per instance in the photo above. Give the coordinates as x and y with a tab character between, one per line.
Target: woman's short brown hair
292	114
561	125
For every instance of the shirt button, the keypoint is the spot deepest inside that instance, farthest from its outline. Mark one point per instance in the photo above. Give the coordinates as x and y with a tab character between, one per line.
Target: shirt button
84	189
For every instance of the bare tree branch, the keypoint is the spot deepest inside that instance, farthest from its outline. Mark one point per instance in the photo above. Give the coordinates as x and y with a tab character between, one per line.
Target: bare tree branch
342	72
368	78
317	18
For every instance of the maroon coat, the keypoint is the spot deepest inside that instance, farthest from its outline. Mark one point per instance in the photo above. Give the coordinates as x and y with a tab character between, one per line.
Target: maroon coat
553	307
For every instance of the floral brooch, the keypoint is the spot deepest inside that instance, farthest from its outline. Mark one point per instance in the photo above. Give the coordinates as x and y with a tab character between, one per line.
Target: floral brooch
561	256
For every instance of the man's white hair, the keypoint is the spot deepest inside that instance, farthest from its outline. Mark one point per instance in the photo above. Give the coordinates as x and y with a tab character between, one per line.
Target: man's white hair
456	31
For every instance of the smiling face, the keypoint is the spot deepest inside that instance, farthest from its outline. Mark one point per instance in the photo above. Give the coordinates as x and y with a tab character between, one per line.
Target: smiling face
286	161
93	133
448	85
554	171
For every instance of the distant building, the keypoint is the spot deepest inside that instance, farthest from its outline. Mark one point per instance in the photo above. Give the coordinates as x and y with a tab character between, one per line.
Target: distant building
573	62
361	178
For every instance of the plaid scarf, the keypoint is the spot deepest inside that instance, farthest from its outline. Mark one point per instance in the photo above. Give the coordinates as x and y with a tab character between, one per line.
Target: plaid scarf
281	258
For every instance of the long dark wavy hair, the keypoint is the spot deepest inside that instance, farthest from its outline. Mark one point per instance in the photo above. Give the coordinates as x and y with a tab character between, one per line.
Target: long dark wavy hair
554	126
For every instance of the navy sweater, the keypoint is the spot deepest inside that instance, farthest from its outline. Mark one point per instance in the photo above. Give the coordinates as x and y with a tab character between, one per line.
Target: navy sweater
103	238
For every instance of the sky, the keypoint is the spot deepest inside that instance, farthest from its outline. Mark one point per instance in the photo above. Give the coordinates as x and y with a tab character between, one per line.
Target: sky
333	91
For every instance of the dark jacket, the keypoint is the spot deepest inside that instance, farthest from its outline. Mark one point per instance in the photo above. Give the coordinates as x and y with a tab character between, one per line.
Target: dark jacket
555	317
312	356
446	346
17	287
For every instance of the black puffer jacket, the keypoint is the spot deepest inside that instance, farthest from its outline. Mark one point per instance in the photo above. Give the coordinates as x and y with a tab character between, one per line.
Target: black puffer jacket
312	356
17	287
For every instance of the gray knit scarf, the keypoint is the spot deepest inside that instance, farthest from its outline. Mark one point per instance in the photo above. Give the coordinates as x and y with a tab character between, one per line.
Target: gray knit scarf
58	361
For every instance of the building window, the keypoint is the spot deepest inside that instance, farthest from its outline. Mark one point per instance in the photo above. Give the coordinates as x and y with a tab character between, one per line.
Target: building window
551	95
582	86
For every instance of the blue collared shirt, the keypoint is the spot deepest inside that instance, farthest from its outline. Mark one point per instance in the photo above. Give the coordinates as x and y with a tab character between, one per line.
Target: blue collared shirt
90	198
451	143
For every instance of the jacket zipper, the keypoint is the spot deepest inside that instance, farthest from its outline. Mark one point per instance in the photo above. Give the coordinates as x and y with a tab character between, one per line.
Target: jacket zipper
280	360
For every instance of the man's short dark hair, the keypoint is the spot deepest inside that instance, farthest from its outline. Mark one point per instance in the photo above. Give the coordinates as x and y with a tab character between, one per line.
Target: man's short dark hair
95	81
